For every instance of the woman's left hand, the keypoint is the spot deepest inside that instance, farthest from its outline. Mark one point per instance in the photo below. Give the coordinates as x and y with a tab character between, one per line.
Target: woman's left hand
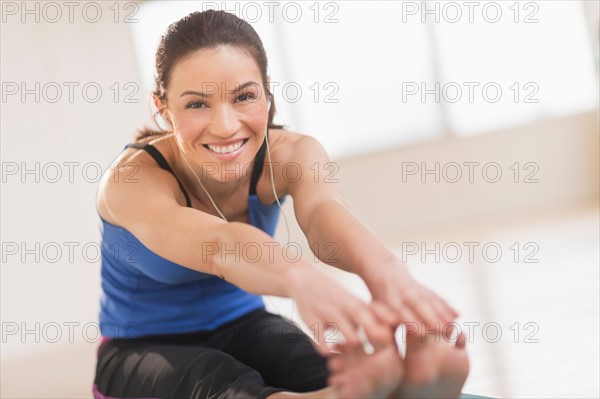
410	301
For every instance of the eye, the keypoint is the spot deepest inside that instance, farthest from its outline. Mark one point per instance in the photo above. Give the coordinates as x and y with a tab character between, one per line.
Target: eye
246	97
195	104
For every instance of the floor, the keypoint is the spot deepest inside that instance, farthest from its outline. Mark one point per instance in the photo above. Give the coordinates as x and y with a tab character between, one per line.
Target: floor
534	325
553	351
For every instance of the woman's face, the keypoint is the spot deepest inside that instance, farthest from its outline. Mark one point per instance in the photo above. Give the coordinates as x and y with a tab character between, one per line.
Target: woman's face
218	110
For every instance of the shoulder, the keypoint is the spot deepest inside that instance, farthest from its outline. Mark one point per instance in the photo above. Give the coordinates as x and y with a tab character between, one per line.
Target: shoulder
290	146
293	158
133	178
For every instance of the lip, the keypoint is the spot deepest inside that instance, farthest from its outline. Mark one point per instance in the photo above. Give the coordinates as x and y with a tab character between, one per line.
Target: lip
228	142
228	156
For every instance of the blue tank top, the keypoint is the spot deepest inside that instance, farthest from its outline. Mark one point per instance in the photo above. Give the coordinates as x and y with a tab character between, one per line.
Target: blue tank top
146	294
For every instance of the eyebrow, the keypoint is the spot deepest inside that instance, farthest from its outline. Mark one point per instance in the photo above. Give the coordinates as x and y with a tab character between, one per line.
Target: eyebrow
236	90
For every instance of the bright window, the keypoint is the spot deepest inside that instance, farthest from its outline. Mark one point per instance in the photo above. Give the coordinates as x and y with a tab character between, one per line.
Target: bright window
365	76
535	62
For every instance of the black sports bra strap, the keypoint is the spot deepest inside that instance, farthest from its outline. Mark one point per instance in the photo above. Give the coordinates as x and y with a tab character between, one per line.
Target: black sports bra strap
162	162
258	166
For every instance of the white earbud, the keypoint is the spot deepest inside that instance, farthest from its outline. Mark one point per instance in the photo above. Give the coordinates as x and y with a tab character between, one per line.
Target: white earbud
268	105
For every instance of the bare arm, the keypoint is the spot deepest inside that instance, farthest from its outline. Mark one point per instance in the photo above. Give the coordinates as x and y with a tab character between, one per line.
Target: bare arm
237	252
334	234
338	238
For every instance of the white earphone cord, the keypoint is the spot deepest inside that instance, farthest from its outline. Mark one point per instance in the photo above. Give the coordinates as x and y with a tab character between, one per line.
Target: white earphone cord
287	227
272	180
199	182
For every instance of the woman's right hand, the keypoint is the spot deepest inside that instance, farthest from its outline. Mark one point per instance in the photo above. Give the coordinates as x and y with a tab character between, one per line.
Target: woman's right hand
333	314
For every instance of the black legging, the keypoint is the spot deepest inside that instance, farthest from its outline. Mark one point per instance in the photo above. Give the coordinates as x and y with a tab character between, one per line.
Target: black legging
251	357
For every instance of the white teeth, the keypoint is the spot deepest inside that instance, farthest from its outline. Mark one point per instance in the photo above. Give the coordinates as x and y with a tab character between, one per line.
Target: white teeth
226	150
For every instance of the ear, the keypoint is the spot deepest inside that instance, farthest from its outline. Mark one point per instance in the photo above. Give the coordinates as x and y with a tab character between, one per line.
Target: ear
163	111
268	85
156	102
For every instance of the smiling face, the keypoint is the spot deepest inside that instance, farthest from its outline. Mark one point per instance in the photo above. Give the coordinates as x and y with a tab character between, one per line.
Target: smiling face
218	110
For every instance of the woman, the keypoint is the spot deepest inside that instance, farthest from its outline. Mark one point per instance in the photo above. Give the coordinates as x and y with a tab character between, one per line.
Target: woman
187	250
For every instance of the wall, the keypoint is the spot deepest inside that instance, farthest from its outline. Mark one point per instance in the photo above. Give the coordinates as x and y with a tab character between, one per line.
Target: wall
564	160
84	134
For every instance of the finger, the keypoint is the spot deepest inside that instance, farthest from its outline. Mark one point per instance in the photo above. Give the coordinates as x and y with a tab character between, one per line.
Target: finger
449	329
425	311
448	325
345	326
407	315
461	340
379	335
385	314
319	340
449	312
440	310
449	309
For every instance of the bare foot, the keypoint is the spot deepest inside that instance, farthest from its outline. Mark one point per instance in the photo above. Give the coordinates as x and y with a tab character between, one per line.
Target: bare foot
430	370
354	374
433	369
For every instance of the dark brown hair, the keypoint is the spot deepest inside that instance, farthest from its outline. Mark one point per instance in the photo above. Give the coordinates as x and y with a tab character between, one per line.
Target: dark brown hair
201	30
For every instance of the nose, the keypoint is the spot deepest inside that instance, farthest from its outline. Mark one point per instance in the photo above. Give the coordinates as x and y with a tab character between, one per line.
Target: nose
225	122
